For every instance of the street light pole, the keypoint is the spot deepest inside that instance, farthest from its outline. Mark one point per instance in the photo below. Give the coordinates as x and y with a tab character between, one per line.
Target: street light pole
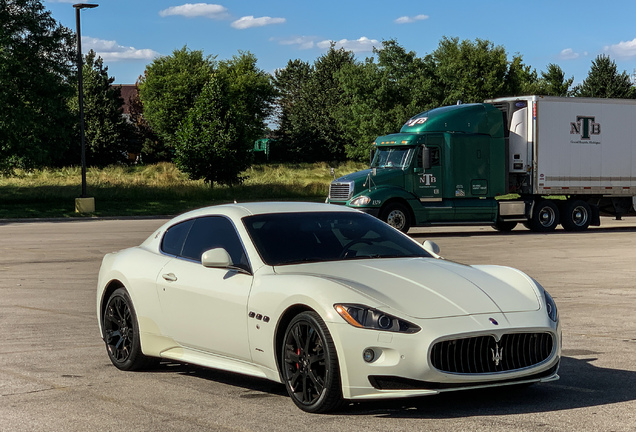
78	7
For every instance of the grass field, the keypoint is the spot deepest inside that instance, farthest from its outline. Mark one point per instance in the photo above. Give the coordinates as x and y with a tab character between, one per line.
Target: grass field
159	189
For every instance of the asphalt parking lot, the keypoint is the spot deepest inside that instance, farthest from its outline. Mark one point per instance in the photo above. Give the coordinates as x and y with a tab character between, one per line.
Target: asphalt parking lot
55	374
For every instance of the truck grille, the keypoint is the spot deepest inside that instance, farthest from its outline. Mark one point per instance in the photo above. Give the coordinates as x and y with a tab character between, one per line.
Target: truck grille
340	191
484	354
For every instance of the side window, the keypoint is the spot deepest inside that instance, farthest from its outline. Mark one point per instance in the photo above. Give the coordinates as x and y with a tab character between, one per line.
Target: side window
435	156
173	239
213	232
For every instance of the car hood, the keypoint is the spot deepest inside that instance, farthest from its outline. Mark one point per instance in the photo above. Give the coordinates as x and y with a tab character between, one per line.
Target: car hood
428	287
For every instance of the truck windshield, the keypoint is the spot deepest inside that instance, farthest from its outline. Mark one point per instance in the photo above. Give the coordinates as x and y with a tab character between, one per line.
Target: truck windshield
392	157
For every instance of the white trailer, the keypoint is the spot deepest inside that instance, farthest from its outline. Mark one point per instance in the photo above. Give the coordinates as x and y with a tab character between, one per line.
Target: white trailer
580	148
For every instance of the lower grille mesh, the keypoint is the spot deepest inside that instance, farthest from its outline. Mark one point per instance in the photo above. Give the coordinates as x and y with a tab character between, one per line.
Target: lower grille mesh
483	354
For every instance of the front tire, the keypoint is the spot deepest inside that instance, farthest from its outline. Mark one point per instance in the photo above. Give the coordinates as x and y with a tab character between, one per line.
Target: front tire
396	215
121	333
310	365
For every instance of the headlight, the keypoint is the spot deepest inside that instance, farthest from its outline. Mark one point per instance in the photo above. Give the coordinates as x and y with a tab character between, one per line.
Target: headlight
553	313
360	201
365	317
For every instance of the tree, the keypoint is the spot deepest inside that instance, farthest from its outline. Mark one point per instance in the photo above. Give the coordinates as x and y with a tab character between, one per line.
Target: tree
36	59
251	92
215	140
316	133
553	82
474	71
144	139
168	90
604	81
381	96
290	83
107	131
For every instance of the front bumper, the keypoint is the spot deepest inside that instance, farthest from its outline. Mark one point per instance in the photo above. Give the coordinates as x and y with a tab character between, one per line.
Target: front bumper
402	367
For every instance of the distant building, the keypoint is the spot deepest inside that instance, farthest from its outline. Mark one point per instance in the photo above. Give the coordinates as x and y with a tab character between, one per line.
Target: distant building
128	92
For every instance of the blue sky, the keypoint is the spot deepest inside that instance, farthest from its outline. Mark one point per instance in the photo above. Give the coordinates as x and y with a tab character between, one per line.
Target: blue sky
128	34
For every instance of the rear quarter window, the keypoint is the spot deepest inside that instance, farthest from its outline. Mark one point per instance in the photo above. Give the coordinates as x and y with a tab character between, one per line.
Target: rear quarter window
173	239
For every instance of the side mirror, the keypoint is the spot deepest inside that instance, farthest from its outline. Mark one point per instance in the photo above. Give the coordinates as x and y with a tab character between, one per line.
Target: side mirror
431	247
216	258
371	155
426	158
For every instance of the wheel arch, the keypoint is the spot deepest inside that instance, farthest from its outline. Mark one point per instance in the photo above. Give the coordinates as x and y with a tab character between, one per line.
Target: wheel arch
281	326
108	291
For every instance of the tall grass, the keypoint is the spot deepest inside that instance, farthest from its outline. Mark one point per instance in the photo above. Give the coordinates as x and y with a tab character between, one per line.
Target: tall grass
157	189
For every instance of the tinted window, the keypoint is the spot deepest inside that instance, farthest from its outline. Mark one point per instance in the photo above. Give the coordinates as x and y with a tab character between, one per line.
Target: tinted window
214	232
286	238
174	237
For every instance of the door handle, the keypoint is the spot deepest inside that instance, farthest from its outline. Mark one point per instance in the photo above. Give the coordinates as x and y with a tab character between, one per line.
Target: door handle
170	277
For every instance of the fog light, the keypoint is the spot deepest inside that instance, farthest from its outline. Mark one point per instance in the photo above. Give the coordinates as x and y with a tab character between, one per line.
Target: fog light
368	355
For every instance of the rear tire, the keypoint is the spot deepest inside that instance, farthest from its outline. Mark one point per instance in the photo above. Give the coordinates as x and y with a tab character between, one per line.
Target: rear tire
545	216
396	215
576	215
121	333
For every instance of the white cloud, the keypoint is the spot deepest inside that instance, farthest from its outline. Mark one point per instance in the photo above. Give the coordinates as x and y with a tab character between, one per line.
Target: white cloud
303	42
192	10
624	49
363	44
408	19
568	54
112	51
250	21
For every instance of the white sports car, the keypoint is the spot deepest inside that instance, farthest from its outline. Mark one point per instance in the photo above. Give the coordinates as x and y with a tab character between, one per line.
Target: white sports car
331	302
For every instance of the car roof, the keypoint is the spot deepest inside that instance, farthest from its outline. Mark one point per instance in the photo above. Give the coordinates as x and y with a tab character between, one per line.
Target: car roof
239	210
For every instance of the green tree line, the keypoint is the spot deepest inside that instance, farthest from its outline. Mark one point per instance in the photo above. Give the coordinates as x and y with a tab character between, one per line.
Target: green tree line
204	114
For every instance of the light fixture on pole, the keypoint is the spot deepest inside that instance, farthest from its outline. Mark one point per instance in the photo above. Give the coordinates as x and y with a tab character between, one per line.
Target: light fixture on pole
83	204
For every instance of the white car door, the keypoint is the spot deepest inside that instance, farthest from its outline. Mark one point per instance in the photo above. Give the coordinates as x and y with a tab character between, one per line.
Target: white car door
206	308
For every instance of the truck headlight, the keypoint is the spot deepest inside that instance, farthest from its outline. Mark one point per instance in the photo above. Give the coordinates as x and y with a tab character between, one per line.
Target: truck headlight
360	201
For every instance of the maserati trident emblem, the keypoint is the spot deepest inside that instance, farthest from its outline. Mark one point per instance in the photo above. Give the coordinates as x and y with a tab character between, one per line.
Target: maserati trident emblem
497	354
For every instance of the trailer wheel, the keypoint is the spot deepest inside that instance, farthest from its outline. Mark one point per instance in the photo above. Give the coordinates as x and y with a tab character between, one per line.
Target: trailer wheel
396	215
576	215
545	216
504	226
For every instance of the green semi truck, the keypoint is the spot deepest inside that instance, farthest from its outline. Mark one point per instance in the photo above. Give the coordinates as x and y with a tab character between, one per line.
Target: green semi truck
540	161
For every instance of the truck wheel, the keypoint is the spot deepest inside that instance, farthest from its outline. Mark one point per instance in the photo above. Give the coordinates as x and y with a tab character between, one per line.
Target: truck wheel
504	226
576	215
545	216
396	215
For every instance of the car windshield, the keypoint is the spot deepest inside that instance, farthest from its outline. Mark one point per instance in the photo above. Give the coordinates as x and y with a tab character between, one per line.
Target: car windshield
392	157
292	238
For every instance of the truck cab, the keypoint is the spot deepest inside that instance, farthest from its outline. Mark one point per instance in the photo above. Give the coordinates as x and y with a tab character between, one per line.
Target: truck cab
441	168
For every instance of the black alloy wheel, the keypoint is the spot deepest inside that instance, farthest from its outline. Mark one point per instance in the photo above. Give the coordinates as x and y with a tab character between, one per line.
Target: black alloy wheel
310	365
121	333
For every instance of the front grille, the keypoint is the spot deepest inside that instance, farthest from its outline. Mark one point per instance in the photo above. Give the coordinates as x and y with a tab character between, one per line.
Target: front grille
484	354
340	191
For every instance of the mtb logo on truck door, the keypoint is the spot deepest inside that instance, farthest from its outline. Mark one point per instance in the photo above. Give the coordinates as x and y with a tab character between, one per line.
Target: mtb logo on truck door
428	182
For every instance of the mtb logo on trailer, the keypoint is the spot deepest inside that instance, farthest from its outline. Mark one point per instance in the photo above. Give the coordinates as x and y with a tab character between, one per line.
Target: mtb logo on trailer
585	126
